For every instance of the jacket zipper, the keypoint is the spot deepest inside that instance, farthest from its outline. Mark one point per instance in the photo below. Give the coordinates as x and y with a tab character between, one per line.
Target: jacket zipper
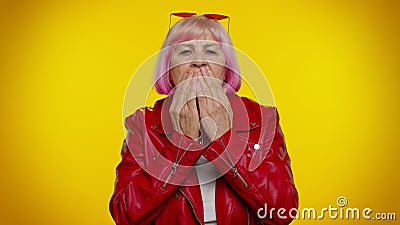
176	163
191	205
172	172
177	196
240	177
234	169
248	215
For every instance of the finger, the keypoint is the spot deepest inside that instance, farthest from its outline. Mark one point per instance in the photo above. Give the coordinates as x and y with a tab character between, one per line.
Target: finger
196	81
187	101
219	84
191	104
191	87
204	90
184	83
217	91
180	96
214	85
211	81
204	98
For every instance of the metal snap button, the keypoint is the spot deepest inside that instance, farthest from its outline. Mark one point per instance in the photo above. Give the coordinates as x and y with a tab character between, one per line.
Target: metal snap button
155	157
256	146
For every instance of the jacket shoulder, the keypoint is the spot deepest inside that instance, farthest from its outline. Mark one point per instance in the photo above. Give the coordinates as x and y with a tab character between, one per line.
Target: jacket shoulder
254	108
140	113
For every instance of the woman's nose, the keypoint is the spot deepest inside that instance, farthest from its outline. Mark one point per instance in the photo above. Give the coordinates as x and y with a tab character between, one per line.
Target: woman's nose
198	63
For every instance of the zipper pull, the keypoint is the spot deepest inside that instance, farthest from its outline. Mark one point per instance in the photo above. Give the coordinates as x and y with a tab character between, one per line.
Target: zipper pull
235	171
173	170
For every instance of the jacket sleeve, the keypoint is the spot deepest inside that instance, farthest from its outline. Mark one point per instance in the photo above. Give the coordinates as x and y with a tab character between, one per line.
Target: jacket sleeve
270	183
141	190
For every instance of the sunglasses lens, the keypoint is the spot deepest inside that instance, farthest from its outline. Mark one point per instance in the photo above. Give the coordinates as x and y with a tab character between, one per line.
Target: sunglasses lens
184	14
215	16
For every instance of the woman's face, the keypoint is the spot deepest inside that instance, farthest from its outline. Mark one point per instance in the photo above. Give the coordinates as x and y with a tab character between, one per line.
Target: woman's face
195	54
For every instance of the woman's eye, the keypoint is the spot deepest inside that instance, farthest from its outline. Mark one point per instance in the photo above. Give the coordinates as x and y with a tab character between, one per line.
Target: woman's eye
185	52
212	52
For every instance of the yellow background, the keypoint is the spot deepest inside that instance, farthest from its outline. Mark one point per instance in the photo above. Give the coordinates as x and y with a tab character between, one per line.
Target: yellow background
333	67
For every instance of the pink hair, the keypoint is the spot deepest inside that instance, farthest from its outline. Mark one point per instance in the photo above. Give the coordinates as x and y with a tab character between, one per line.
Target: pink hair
189	29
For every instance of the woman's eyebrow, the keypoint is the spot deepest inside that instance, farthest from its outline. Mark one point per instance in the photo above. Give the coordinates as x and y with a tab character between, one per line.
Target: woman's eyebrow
186	45
192	45
208	45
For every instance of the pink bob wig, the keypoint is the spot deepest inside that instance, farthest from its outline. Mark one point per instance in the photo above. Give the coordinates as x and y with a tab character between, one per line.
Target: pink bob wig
192	28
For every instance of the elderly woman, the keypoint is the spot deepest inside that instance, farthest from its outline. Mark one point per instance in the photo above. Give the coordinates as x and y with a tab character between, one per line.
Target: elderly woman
203	155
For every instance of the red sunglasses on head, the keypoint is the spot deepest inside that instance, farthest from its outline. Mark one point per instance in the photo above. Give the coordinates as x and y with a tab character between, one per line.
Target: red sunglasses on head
209	16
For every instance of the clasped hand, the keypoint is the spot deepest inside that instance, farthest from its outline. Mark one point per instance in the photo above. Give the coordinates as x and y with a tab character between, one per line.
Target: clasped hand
200	106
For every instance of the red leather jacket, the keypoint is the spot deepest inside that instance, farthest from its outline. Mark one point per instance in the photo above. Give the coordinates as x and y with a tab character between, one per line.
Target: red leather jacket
258	174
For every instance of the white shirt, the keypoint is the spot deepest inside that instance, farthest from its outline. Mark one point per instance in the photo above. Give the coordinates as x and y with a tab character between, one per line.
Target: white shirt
207	175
